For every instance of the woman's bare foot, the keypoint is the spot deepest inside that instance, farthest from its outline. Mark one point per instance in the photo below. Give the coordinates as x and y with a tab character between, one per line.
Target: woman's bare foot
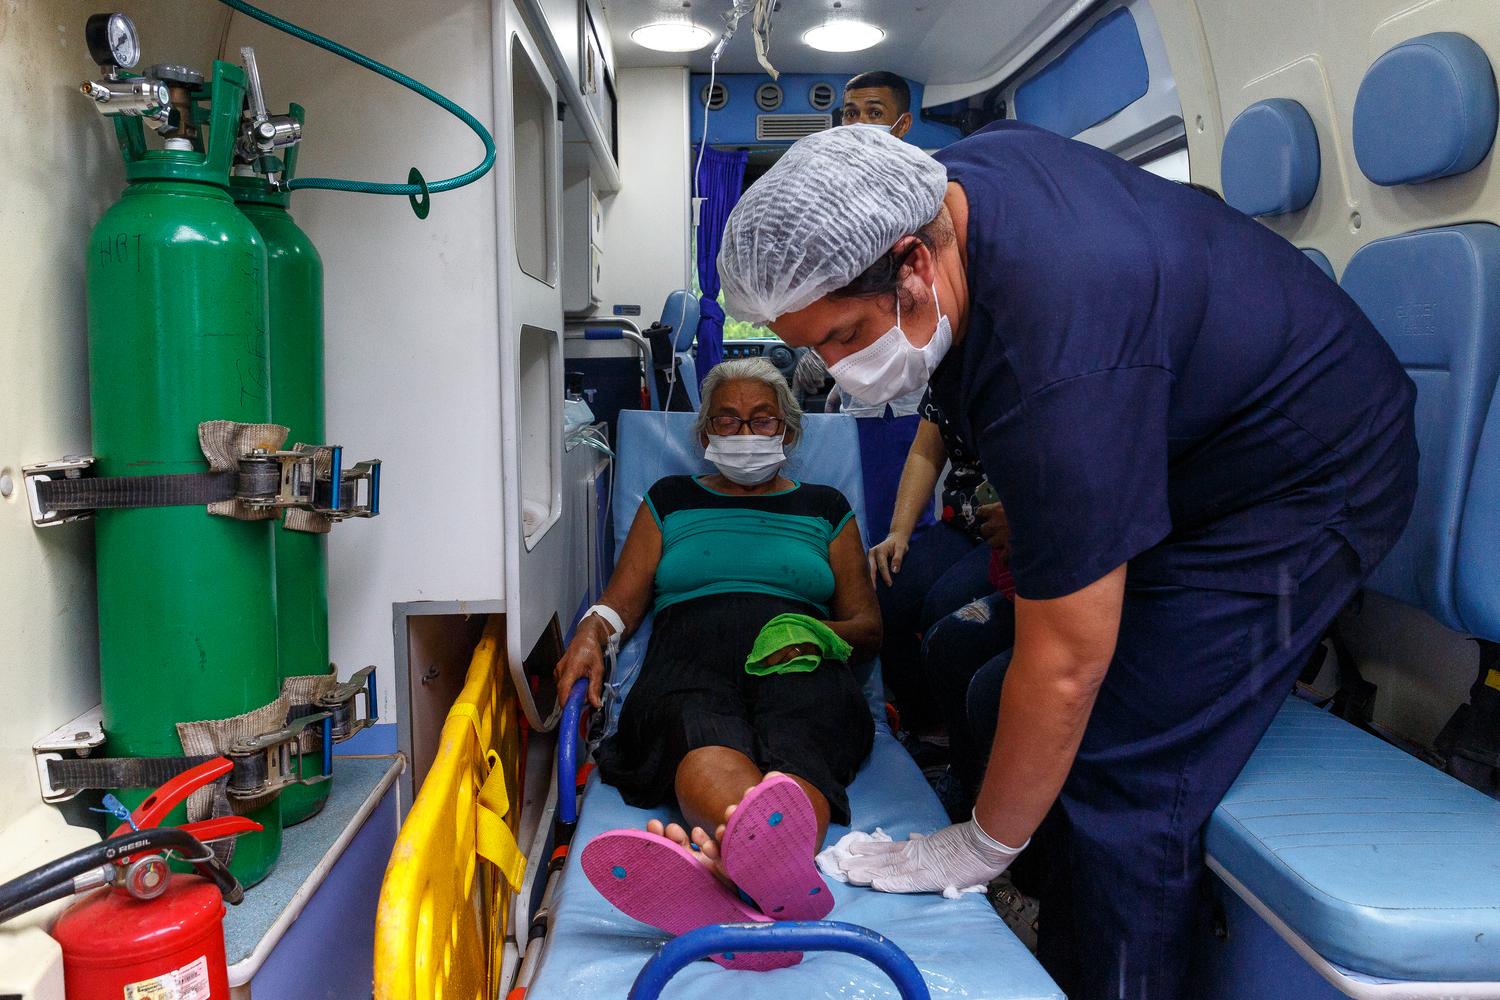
706	848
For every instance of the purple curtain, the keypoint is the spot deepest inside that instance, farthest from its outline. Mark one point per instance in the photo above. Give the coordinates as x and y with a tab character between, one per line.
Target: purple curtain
721	180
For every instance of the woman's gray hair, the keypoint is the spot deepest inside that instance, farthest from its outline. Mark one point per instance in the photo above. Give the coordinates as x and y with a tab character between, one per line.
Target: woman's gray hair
750	370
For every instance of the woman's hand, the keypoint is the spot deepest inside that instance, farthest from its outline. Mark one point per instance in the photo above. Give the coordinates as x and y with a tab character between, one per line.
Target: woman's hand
584	658
994	528
886	557
791	652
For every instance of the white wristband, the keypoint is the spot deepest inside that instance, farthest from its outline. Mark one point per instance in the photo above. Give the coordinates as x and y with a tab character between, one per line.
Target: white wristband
610	617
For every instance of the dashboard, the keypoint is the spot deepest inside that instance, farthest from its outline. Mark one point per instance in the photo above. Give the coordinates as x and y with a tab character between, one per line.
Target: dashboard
774	351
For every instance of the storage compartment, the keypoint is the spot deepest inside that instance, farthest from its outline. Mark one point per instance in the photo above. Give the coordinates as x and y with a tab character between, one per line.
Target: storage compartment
534	148
582	224
539	405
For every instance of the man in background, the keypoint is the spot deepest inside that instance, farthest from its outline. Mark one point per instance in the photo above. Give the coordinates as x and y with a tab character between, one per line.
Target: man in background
879	99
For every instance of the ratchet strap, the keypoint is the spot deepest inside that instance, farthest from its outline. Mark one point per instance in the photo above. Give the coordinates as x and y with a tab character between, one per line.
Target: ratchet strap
111	773
193	489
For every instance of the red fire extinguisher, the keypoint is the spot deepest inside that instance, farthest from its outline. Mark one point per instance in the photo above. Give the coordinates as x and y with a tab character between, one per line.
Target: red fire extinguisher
152	934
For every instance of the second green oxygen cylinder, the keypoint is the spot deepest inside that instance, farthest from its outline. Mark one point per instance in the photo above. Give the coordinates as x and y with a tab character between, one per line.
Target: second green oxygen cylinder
294	275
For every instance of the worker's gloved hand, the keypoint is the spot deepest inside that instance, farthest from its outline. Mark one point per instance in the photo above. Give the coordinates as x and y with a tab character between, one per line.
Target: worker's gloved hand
956	856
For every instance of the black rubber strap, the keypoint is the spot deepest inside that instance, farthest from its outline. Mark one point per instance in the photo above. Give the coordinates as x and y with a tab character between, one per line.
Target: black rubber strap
191	489
194	489
112	773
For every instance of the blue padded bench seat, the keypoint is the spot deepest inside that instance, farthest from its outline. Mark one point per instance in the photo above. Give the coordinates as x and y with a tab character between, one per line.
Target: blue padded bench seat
1384	866
593	952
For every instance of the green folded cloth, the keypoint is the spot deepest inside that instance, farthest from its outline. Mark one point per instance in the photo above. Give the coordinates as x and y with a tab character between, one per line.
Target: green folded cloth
794	630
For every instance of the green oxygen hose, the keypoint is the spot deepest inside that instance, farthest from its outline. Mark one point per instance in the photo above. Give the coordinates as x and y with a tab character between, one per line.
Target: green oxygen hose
417	187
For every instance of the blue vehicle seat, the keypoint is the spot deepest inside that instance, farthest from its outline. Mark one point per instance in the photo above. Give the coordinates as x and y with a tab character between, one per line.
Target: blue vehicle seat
1270	162
1385	866
681	314
1426	109
1435	297
1478	580
960	946
1320	258
1349	858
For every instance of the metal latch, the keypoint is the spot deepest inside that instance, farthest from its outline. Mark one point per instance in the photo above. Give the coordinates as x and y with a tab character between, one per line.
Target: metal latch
268	763
67	467
306	481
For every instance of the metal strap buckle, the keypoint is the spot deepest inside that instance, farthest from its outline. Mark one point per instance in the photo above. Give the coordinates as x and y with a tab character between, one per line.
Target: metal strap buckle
267	763
306	481
67	467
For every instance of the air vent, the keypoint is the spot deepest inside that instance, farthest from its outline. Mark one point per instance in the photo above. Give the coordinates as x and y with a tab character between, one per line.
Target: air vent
768	97
715	99
789	128
821	96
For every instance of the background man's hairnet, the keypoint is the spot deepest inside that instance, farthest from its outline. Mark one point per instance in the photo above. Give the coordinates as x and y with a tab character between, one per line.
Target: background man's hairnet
830	207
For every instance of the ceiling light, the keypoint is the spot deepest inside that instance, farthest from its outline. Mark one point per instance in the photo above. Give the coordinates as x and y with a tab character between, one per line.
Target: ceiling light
843	36
672	36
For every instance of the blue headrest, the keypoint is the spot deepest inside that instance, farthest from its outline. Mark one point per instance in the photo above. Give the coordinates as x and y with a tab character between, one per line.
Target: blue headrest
681	314
1434	295
1320	258
654	444
1426	109
1271	162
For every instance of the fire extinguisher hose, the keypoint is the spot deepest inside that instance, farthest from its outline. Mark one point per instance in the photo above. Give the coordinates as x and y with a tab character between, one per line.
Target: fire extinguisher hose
54	880
411	190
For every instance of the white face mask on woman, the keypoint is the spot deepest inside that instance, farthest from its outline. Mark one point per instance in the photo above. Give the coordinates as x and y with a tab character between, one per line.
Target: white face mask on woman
746	459
892	366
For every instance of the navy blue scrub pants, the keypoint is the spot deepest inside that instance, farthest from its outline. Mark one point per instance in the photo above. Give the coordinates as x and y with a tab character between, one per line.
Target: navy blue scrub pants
944	569
1196	679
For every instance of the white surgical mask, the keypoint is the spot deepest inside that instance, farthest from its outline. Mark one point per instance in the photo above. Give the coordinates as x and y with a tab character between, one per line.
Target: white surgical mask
877	125
892	366
747	459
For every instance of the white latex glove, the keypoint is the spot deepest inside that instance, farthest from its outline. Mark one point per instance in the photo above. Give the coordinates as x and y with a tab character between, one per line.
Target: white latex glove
955	857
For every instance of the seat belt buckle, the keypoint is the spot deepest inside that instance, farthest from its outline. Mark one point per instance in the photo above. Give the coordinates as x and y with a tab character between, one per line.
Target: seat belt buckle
67	467
269	762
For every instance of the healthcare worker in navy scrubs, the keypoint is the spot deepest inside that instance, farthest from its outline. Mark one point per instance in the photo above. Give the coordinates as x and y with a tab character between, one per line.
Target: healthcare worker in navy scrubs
1202	446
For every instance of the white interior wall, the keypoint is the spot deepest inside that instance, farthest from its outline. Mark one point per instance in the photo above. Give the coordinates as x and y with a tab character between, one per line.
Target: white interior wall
1228	54
647	226
413	348
63	169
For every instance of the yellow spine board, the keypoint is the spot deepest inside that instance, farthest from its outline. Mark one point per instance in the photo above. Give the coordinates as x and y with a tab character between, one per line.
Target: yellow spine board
446	895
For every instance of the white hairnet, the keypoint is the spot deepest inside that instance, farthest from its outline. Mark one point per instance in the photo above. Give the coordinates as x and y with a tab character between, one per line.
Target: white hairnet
830	207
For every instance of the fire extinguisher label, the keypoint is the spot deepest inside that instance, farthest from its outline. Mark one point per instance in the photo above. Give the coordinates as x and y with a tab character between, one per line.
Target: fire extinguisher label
187	983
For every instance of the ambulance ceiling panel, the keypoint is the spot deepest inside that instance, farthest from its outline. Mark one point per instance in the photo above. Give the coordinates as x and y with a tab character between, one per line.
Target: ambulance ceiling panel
948	42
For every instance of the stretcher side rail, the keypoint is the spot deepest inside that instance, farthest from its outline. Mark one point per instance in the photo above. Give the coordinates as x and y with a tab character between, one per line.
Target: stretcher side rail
790	935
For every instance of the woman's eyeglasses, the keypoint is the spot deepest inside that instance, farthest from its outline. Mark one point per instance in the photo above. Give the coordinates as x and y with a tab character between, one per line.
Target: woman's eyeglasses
725	425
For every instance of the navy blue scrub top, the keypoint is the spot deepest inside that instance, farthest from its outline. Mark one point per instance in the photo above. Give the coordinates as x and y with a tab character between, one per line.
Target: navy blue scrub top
1151	377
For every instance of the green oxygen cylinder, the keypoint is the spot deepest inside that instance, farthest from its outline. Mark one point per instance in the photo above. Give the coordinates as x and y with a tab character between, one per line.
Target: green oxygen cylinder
295	278
177	324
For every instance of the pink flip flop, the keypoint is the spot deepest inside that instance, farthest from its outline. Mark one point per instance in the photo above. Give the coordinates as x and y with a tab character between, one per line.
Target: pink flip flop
657	882
768	849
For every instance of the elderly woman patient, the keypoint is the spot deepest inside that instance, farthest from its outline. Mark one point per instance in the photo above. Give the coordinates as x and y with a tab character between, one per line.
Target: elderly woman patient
745	710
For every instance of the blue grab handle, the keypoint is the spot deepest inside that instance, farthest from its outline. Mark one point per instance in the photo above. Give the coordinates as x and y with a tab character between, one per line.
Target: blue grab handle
567	752
791	935
327	745
374	706
604	333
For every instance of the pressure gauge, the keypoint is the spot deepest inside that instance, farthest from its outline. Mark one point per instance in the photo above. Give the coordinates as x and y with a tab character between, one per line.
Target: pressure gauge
112	40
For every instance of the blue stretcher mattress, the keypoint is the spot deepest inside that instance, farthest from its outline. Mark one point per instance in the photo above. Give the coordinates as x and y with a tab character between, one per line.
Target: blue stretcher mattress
961	947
